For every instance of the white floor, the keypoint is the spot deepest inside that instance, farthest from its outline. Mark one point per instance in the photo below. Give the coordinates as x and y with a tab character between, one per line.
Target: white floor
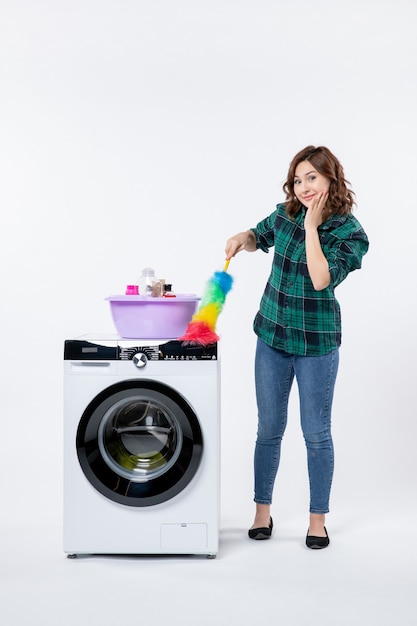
367	576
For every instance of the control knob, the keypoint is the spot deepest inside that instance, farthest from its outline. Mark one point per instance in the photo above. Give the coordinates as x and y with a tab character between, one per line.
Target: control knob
140	359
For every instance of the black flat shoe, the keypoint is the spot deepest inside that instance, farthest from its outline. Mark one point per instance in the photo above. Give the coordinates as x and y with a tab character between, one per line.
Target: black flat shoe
317	543
261	533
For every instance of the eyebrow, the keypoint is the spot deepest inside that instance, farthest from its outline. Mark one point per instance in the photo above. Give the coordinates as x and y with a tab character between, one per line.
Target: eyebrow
306	174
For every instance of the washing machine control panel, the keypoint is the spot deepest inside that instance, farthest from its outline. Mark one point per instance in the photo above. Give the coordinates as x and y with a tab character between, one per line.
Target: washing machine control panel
140	354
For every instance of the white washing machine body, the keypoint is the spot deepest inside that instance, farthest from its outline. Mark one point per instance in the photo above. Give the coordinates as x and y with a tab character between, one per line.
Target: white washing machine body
141	447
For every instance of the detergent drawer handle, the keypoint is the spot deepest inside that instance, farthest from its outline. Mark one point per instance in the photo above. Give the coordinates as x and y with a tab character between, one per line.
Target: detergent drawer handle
90	364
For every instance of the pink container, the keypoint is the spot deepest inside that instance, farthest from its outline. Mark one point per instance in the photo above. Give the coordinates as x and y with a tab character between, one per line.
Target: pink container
132	290
144	317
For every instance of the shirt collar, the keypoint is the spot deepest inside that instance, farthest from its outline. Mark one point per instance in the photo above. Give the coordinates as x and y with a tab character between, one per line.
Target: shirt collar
333	221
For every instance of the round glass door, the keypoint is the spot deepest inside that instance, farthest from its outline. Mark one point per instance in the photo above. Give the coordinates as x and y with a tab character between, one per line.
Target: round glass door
139	443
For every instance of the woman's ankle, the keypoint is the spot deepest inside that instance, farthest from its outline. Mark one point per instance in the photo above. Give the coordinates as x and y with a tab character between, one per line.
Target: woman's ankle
316	527
262	516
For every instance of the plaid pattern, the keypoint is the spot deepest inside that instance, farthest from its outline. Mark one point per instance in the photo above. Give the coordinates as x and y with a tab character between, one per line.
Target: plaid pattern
293	316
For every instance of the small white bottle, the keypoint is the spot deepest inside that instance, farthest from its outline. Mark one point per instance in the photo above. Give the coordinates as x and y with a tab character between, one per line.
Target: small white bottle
149	284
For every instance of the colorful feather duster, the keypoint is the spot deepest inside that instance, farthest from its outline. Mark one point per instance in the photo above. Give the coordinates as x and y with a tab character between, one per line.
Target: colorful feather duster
201	329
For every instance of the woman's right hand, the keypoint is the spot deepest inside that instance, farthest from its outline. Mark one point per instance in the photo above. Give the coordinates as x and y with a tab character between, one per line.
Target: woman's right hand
242	241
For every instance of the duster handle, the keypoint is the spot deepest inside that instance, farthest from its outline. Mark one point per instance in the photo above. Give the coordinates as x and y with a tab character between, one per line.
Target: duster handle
226	265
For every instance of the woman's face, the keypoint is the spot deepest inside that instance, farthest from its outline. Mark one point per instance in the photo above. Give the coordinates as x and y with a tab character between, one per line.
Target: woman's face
308	183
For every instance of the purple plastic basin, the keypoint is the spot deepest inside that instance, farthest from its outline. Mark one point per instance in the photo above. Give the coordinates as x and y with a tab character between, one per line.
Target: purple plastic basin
144	317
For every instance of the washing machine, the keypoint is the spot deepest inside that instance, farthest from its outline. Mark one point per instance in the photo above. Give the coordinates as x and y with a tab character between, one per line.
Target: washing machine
141	447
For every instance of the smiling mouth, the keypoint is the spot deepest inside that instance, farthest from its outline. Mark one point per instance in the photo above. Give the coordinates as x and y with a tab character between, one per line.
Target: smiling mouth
308	197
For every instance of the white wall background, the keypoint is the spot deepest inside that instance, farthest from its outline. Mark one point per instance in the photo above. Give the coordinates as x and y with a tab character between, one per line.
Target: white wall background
146	132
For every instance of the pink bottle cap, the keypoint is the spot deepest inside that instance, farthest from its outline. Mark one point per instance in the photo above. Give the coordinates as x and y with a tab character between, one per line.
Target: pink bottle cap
132	290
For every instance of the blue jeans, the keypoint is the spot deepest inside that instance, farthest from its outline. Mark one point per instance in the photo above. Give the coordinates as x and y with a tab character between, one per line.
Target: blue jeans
316	377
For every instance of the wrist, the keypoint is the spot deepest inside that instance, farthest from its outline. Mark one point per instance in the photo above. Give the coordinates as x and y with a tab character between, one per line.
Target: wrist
311	229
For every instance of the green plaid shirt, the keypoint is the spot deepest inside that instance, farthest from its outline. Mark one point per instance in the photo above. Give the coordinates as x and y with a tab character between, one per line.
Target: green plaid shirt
293	316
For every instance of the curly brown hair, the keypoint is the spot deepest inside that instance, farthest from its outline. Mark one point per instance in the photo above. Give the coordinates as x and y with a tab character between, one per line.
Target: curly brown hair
341	199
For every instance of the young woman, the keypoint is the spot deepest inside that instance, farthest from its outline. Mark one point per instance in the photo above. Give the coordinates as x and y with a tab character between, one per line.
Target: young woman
317	242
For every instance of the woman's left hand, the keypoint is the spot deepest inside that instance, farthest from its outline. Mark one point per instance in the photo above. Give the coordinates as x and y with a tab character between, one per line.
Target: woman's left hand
315	212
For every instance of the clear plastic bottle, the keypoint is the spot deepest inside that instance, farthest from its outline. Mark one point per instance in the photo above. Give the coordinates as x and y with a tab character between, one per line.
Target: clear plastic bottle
149	284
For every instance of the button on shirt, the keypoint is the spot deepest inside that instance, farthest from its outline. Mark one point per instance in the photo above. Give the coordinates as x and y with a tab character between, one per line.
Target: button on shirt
293	316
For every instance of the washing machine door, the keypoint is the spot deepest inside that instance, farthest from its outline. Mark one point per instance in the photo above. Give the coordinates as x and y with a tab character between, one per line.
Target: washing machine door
139	443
